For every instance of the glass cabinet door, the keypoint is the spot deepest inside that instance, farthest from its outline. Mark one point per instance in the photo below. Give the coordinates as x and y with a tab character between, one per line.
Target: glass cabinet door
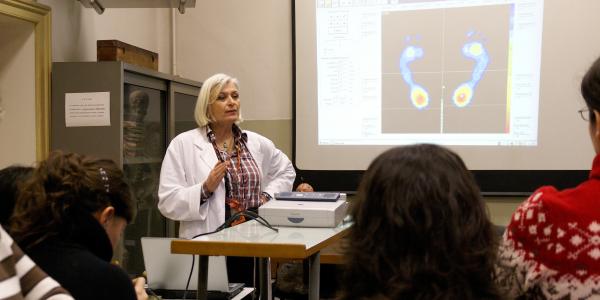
184	112
144	145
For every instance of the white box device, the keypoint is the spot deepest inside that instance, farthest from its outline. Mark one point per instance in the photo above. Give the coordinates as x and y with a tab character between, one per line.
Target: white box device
304	213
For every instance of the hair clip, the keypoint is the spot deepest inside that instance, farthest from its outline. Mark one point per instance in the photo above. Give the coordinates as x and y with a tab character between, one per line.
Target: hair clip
104	178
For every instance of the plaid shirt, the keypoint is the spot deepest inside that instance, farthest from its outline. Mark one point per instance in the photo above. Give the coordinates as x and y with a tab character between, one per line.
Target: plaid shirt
243	174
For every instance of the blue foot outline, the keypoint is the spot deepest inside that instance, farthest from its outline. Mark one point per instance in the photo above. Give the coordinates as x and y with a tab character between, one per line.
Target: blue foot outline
476	51
419	96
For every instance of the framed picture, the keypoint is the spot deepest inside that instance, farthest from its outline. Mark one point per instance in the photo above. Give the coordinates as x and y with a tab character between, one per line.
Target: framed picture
25	30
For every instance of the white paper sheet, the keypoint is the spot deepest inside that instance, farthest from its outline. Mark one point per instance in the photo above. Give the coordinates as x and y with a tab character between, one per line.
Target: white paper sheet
87	109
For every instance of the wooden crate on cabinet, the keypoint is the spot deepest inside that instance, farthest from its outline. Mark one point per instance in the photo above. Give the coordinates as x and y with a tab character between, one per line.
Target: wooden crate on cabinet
113	50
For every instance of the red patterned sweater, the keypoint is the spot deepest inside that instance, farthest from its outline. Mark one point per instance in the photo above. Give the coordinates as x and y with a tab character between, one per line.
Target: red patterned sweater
551	248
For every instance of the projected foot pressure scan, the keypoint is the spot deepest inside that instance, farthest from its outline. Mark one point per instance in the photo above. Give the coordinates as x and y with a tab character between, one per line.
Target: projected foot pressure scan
451	75
463	93
418	95
449	72
476	51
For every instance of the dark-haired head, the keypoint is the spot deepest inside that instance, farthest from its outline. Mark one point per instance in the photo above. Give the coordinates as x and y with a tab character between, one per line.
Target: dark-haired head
66	187
590	90
10	179
420	231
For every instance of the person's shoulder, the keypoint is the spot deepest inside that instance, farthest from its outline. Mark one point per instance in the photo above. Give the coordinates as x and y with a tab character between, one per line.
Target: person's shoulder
543	194
550	198
543	206
539	196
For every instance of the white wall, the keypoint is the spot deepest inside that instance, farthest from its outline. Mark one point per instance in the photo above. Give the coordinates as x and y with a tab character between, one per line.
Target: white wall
247	39
17	92
75	30
250	40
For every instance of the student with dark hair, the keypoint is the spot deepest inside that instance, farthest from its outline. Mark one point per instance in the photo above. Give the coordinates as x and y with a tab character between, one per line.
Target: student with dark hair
69	217
10	179
421	230
551	248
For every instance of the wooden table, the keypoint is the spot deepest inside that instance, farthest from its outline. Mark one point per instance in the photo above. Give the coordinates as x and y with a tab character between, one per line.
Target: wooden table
252	239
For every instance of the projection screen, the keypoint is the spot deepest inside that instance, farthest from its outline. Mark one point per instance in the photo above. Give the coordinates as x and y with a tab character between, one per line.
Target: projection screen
497	81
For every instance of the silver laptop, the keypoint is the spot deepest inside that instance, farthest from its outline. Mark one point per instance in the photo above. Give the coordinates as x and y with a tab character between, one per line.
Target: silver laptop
170	272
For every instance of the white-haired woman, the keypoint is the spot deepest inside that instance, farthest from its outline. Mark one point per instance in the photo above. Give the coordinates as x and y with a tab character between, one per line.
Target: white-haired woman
217	169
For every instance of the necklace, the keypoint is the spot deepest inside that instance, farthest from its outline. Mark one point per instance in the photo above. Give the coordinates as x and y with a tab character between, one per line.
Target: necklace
227	145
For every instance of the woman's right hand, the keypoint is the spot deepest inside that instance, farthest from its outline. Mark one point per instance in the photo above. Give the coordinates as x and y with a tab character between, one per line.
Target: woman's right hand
138	286
215	176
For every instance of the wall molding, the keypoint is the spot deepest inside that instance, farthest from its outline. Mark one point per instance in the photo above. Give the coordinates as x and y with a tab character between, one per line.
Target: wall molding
40	16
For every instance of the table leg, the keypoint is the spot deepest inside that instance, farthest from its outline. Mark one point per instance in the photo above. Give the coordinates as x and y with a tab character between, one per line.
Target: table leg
314	276
202	277
264	275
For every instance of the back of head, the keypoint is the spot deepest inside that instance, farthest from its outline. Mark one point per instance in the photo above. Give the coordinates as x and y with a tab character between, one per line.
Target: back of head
10	180
61	189
590	88
420	230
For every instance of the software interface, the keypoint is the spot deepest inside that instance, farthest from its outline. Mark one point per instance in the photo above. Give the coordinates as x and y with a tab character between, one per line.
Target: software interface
448	72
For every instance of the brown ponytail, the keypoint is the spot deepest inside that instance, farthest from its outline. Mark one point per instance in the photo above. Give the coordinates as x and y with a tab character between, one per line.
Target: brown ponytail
62	186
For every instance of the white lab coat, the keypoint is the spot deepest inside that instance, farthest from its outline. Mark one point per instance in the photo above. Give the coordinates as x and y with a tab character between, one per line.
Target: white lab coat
187	163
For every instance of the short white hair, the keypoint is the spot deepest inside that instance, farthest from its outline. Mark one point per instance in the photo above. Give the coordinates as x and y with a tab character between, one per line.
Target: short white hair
209	92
